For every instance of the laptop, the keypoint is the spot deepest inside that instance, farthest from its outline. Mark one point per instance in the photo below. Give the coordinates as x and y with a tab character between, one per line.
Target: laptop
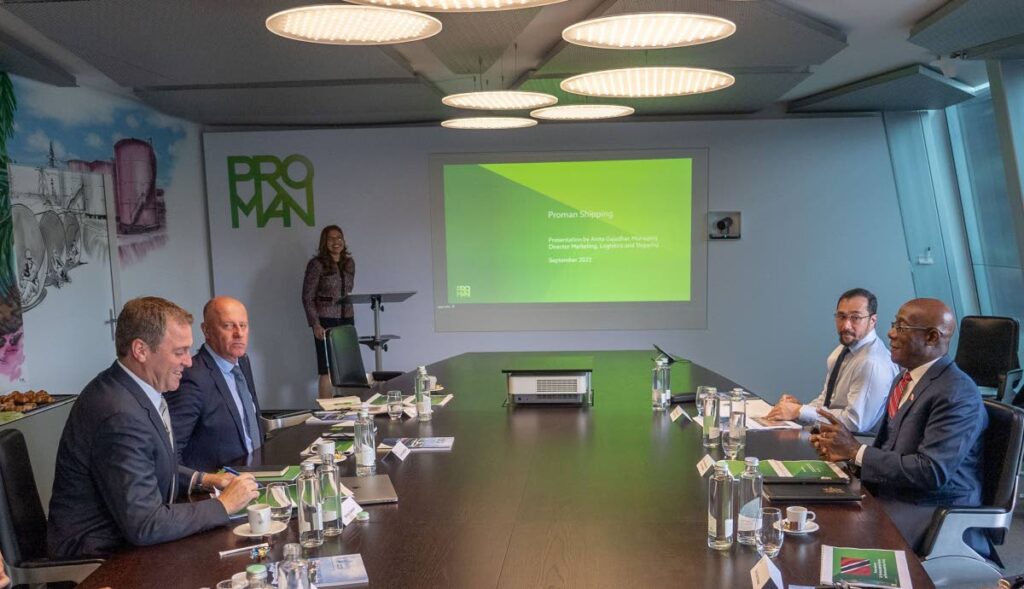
372	489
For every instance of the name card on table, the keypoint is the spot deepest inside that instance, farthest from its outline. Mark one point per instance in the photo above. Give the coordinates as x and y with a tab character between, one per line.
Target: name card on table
705	464
765	575
676	413
349	510
412	412
400	450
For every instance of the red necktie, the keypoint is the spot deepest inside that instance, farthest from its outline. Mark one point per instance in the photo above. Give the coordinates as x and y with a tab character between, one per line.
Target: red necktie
897	394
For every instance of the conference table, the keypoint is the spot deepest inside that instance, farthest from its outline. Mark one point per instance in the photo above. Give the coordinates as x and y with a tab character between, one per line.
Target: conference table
599	496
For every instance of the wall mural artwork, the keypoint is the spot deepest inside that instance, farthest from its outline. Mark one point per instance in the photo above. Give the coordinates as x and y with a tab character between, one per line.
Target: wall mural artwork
72	152
11	326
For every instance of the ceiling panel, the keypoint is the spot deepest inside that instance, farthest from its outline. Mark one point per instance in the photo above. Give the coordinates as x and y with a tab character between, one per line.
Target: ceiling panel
750	93
140	43
322	105
1009	48
911	88
472	43
963	24
17	59
767	34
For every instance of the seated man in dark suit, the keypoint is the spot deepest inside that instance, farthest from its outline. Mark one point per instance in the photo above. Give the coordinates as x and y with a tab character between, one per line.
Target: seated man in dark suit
928	450
215	411
116	476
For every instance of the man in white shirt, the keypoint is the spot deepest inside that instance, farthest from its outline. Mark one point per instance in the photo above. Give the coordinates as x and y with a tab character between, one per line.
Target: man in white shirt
859	371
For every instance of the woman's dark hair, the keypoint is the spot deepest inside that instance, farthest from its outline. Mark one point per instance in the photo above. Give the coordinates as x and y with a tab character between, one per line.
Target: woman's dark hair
330	267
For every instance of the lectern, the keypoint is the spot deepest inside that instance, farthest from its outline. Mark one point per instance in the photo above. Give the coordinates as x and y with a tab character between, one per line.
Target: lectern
378	342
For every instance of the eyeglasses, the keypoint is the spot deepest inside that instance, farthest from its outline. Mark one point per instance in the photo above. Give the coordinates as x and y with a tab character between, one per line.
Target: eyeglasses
843	317
901	327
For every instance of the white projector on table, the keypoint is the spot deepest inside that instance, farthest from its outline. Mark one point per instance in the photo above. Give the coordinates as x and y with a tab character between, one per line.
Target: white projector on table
549	387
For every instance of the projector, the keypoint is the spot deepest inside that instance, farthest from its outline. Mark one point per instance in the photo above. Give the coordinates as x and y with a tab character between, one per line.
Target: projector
549	387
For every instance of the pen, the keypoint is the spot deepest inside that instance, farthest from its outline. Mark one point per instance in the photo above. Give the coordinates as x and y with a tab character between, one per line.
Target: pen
230	470
243	549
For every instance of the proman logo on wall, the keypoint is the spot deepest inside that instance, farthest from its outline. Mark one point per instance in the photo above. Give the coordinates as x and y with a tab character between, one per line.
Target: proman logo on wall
271	187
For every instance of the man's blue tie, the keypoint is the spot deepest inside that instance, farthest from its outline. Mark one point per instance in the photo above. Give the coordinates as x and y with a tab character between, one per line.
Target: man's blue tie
249	408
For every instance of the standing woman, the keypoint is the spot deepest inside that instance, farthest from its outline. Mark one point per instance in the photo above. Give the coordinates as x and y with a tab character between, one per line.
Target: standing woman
329	276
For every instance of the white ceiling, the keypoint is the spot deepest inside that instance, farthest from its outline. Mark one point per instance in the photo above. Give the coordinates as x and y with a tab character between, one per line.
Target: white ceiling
212	61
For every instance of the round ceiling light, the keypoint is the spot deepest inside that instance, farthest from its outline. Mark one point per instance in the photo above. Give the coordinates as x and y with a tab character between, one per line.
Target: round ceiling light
489	123
458	5
653	30
647	82
343	24
499	100
582	112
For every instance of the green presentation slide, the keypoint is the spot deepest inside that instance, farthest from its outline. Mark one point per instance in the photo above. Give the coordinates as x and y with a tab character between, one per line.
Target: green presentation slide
568	232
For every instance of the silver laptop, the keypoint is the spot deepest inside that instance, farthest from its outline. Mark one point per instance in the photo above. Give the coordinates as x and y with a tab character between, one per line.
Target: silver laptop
372	489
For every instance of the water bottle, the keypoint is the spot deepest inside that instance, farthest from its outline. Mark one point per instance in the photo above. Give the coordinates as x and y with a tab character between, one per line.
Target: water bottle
311	508
328	474
365	444
424	409
720	507
661	388
293	571
738	419
256	576
710	425
751	483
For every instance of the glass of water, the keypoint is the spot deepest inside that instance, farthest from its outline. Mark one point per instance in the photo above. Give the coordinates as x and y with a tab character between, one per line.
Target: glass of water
280	501
702	392
395	406
768	537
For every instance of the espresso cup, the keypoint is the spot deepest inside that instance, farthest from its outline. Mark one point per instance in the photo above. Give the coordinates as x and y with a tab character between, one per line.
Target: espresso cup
259	518
798	517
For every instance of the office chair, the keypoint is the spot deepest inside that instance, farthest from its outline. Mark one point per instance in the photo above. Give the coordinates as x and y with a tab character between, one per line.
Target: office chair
23	523
987	352
949	561
345	362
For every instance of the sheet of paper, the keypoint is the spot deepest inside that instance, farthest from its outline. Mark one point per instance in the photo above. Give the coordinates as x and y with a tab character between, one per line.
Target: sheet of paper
765	575
400	450
705	464
349	510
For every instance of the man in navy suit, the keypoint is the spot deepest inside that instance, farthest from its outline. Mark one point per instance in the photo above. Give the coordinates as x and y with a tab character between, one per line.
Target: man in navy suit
929	448
216	411
116	476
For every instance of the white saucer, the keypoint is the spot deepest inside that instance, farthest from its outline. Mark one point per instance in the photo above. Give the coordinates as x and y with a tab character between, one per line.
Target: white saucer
276	527
809	528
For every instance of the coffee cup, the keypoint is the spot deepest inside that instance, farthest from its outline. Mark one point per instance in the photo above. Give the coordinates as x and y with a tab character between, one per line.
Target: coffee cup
798	517
259	518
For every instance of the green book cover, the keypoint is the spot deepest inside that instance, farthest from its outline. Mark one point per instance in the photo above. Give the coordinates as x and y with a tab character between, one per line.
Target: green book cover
289	475
865	567
809	469
736	468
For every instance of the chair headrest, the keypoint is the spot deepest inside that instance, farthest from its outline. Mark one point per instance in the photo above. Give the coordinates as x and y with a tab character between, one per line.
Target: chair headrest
1004	438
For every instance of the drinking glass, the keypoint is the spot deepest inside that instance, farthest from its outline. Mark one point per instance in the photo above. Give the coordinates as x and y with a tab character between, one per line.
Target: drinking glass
231	584
768	537
731	443
280	502
702	391
395	406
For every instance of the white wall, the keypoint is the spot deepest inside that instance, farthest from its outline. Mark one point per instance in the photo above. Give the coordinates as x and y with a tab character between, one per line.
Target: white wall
819	208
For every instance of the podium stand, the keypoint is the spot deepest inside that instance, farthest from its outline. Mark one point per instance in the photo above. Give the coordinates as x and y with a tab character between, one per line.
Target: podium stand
378	342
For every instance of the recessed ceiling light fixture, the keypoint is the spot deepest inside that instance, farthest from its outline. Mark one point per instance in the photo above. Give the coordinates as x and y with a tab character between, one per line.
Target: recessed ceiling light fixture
344	24
582	112
458	5
489	123
499	100
647	82
652	30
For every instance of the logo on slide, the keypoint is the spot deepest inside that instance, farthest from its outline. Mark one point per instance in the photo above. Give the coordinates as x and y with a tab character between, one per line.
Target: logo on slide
284	183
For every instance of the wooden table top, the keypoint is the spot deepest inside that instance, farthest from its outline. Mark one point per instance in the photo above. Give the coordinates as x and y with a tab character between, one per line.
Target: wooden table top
600	496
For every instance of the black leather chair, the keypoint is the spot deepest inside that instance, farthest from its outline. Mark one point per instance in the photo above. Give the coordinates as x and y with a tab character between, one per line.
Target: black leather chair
950	562
23	523
987	352
345	361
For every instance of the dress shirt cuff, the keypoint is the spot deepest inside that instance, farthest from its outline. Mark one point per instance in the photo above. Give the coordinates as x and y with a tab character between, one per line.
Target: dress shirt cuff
809	413
859	458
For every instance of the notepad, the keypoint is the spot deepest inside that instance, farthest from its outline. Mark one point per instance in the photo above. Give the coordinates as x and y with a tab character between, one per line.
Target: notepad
263	470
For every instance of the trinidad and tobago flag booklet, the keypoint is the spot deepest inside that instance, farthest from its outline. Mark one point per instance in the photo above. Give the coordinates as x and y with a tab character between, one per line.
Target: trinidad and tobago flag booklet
865	567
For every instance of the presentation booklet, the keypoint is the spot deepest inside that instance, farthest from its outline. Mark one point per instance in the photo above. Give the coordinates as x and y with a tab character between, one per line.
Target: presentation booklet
795	471
332	571
865	567
339	403
420	444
